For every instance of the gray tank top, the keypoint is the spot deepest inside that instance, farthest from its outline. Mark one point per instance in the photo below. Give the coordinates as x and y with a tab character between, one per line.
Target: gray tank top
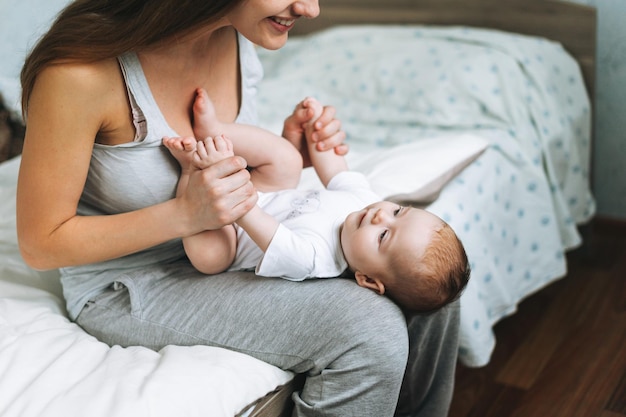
139	174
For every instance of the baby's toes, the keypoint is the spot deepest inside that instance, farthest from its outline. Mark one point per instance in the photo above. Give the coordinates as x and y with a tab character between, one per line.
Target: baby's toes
188	144
223	145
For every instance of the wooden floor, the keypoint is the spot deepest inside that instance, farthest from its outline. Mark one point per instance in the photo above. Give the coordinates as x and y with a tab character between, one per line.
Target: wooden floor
563	354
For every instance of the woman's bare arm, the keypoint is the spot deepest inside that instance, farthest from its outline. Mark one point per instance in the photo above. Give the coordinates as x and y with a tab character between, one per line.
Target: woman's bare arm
69	106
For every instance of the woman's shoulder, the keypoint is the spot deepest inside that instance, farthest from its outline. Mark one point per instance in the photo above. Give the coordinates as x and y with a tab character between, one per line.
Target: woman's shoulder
88	76
92	95
80	85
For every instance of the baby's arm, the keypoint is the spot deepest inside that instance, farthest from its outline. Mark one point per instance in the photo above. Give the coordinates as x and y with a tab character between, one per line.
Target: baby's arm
327	164
275	162
260	226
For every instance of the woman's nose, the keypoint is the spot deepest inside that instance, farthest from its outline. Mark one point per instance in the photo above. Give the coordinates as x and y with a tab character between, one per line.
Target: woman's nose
307	8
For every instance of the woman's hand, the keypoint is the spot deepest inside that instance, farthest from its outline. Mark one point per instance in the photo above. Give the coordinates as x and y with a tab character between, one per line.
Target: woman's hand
327	133
218	195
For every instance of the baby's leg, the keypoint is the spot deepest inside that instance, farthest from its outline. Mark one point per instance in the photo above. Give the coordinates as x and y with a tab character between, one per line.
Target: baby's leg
205	121
211	251
274	162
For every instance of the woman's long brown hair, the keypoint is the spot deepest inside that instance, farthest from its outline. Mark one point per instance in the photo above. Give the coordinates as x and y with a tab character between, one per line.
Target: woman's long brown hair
93	30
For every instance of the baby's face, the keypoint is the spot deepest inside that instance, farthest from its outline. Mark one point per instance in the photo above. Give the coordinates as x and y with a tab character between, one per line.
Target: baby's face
385	232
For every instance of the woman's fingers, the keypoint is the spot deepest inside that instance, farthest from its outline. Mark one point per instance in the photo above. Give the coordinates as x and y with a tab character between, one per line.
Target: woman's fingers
221	193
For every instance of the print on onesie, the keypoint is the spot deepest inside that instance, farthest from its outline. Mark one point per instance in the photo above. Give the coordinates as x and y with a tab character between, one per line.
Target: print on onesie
307	203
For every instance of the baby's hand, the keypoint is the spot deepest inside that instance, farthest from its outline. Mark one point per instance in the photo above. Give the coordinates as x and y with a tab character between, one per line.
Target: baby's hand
212	150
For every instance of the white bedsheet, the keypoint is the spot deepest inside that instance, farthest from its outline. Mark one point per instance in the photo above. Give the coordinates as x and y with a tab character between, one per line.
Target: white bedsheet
50	366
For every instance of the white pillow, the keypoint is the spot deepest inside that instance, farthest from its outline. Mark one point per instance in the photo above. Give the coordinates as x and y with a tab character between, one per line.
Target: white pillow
412	173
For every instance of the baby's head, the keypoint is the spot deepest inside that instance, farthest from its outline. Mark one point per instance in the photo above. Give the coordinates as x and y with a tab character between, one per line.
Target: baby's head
407	253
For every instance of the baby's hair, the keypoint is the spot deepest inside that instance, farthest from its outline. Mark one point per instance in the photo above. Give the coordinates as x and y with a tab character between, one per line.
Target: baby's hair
437	278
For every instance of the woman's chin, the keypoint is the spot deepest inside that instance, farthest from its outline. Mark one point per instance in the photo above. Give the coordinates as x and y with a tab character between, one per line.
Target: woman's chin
274	44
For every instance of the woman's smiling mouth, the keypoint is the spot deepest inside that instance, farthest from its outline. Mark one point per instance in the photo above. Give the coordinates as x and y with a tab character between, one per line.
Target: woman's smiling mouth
283	22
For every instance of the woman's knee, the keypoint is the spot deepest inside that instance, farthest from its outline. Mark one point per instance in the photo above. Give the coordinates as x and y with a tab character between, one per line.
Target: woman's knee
379	333
388	343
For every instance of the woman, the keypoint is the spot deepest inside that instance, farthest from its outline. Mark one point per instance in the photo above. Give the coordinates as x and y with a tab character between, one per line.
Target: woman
96	198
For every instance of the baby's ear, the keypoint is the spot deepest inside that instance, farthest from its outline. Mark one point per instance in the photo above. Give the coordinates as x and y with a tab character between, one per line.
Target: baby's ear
365	281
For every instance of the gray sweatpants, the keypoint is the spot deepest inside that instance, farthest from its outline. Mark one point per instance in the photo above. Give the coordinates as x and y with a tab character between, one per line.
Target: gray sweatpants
350	342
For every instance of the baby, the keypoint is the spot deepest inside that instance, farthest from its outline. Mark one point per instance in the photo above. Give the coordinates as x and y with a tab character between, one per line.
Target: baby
345	229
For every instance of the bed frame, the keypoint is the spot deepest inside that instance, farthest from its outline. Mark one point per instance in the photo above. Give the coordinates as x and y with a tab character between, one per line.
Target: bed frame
573	25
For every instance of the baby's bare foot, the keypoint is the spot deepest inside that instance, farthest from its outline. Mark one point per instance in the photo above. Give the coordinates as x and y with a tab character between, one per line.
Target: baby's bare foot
182	149
212	150
205	121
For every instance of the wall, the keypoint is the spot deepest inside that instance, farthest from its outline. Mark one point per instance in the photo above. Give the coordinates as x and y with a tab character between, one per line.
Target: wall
610	101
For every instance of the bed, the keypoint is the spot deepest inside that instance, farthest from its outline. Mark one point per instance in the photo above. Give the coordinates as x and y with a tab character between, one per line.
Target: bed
478	110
